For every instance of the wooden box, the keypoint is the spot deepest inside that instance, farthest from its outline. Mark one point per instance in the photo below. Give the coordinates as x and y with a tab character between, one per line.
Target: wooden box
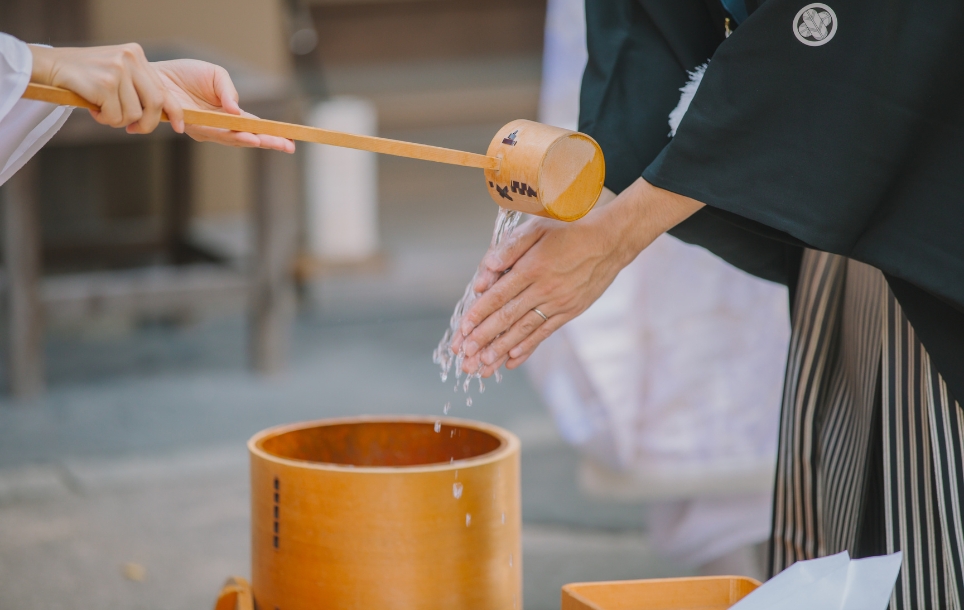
698	593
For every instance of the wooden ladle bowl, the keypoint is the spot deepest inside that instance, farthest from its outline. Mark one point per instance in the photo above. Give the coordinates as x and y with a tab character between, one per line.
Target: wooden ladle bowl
545	170
386	512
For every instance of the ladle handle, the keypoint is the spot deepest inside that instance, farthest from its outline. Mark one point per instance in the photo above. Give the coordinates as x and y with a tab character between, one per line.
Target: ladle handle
220	120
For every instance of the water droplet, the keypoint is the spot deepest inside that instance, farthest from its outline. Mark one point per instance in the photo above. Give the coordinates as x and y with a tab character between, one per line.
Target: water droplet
457	490
481	386
498	376
447	408
468	519
451	433
510	560
456	475
438	426
468	401
503	518
451	460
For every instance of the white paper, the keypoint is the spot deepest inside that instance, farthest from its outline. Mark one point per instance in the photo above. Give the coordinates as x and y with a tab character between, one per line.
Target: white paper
834	582
870	582
795	583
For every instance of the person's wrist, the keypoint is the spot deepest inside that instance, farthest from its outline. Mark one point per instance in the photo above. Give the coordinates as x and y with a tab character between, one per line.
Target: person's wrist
42	68
628	215
643	212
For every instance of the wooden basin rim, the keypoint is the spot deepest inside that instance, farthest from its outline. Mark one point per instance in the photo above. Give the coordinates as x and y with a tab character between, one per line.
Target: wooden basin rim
381	444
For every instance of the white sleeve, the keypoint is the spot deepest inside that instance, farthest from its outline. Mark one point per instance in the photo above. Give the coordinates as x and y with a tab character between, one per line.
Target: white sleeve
25	125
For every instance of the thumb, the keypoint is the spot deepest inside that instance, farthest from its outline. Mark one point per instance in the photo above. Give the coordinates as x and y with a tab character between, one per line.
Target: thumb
504	256
226	92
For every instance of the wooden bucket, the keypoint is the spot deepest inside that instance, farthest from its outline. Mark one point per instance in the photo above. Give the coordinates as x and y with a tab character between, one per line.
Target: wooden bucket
545	170
386	512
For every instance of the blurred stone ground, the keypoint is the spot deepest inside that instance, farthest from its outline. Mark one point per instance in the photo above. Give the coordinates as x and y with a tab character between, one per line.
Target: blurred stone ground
137	452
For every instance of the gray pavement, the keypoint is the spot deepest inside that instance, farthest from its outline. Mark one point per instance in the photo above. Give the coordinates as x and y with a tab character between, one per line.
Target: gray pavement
136	454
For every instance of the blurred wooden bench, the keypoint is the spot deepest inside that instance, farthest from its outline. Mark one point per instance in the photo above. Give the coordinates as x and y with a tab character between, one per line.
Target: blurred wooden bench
171	288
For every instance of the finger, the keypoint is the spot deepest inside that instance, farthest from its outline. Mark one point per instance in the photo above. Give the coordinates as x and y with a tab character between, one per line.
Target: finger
500	346
239	138
151	99
110	112
485	278
472	365
490	370
174	111
169	102
519	353
506	288
514	363
131	110
529	347
225	90
271	142
171	105
500	323
276	143
507	253
502	304
456	343
222	136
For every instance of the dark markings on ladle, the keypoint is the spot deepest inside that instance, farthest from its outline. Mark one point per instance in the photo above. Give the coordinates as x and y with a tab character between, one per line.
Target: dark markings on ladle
277	502
510	140
523	189
504	192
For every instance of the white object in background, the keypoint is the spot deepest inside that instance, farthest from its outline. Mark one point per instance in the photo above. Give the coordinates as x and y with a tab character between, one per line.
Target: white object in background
342	185
564	58
835	583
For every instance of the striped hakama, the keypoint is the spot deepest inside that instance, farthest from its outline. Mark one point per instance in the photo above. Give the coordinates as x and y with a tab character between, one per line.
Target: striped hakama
870	457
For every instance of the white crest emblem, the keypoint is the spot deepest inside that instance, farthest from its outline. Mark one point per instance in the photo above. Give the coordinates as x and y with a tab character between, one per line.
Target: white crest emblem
815	24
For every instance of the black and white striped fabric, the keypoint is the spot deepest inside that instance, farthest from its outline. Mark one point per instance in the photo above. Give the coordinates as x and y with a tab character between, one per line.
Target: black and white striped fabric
871	442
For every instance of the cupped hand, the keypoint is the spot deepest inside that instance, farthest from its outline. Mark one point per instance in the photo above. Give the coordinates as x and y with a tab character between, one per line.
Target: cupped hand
199	85
117	79
559	269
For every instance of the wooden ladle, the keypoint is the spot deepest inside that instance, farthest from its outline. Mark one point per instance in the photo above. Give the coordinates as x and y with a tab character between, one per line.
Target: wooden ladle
529	167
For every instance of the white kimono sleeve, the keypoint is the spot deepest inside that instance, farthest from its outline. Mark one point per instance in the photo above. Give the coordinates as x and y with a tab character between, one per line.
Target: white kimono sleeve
25	125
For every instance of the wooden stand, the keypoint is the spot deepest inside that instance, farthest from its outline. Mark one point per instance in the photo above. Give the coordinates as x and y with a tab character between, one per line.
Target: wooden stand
174	288
22	261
